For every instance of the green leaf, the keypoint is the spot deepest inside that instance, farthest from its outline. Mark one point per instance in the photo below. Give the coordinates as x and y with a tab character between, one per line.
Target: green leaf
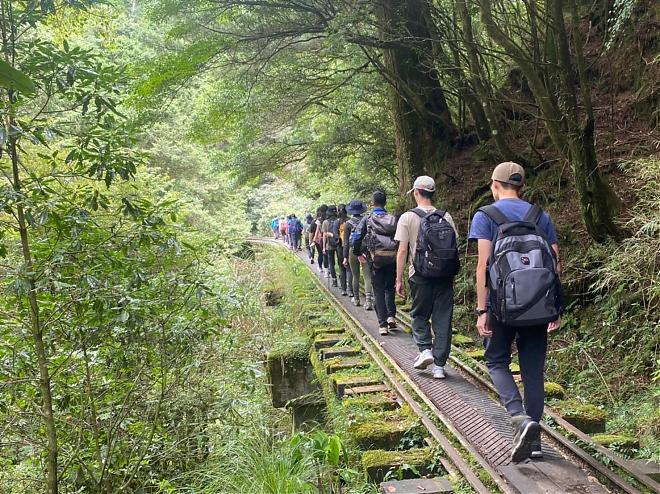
12	78
333	451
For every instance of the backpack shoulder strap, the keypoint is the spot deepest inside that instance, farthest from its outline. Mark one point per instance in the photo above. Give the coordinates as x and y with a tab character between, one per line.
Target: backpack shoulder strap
418	212
534	214
494	214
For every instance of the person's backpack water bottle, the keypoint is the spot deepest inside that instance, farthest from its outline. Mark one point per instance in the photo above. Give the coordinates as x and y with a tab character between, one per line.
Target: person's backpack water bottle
436	254
522	271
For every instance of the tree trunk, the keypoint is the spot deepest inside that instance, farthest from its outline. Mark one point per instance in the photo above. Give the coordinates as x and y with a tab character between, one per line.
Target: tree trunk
47	413
424	130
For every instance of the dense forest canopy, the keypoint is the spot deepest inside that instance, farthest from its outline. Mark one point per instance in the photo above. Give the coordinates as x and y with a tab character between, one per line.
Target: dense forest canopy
141	142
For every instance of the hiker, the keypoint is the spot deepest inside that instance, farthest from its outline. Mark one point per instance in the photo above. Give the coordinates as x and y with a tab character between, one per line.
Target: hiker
352	262
295	232
330	242
518	297
318	238
343	272
282	227
308	235
427	236
275	227
377	231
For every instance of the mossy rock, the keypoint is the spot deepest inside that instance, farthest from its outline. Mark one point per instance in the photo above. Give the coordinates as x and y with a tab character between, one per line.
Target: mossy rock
379	402
617	442
477	354
514	368
554	391
586	417
377	463
384	430
341	364
460	340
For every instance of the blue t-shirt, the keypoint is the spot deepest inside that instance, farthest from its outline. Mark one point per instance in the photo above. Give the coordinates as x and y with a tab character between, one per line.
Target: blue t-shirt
483	227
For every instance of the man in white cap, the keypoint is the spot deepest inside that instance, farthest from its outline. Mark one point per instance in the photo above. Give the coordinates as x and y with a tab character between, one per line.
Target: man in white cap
531	245
432	298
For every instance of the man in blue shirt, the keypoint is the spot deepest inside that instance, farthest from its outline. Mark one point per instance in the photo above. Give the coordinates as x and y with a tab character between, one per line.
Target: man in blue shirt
383	277
275	227
506	186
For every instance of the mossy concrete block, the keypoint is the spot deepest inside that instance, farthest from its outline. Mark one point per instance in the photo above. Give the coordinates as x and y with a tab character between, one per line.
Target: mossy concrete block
326	341
344	351
417	486
377	463
338	364
365	390
341	383
290	373
618	442
383	430
477	354
586	417
308	412
378	402
460	340
554	391
329	331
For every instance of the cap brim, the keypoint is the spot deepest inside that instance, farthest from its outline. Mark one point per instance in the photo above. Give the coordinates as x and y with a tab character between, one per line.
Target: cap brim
410	190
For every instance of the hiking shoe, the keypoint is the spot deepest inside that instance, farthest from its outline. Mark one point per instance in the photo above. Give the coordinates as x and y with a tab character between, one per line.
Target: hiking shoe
344	293
424	359
526	431
311	261
438	372
537	452
391	322
327	274
383	330
356	301
334	282
368	304
350	294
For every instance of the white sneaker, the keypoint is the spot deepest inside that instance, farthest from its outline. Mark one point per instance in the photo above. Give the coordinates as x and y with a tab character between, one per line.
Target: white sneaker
383	331
327	273
438	372
391	323
424	359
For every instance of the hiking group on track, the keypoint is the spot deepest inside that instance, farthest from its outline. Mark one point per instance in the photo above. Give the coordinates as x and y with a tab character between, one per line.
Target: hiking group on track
518	289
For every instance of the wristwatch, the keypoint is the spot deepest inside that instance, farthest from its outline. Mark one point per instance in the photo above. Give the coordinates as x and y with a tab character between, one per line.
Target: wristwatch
481	312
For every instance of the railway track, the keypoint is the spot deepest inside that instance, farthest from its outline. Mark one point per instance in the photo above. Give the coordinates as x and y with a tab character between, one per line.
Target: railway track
464	406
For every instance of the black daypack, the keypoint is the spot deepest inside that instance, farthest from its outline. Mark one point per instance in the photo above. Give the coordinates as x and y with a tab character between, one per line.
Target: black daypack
522	271
436	253
334	229
380	239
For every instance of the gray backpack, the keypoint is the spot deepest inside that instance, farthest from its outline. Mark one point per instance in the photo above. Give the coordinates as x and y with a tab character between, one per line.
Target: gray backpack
380	241
522	271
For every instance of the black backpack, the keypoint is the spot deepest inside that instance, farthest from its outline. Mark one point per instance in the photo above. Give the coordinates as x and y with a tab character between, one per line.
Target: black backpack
436	253
380	241
334	229
522	271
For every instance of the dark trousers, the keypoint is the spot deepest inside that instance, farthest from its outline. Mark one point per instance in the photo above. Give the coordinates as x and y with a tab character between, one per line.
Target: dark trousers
383	280
532	344
342	269
432	311
322	260
332	255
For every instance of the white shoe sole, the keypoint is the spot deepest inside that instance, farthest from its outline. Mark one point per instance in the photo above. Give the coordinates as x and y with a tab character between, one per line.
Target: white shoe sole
383	331
439	376
423	364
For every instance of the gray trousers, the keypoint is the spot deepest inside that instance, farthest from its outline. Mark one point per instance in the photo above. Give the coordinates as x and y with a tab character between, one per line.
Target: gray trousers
532	344
356	269
432	311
